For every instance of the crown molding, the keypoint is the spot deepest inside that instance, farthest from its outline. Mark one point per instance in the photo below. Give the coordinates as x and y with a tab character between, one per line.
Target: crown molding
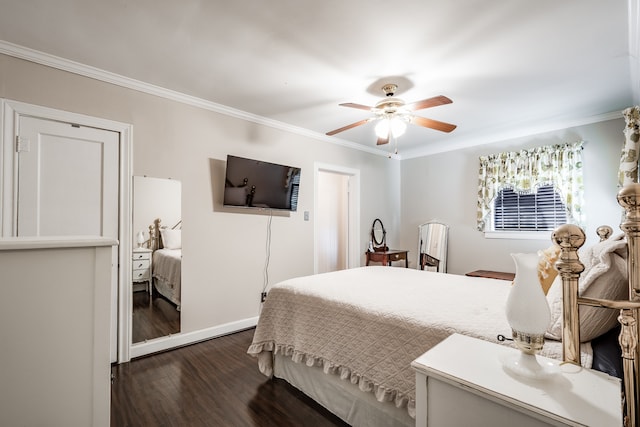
42	58
466	142
63	64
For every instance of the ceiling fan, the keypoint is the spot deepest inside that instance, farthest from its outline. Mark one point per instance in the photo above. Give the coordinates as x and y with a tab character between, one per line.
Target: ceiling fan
394	115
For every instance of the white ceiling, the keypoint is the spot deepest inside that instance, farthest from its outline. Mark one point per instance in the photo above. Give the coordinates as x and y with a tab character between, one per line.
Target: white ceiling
511	67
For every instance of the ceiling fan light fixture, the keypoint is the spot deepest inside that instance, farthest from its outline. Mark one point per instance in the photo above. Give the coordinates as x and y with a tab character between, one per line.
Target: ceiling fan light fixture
393	114
397	125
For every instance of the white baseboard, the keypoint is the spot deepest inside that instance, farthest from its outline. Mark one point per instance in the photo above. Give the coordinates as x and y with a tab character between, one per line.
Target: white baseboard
181	339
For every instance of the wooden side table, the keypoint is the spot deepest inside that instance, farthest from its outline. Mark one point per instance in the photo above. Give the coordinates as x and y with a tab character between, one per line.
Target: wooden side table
492	274
388	256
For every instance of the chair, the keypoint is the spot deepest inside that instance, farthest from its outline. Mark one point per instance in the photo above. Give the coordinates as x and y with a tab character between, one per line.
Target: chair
432	246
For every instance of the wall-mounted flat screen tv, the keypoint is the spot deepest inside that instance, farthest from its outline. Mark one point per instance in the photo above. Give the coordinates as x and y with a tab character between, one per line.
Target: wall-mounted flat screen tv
256	184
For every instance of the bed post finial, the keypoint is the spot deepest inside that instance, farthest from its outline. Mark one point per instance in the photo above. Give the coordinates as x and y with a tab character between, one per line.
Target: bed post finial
604	232
569	238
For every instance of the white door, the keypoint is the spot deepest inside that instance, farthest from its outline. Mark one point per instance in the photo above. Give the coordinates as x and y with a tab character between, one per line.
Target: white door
332	214
68	179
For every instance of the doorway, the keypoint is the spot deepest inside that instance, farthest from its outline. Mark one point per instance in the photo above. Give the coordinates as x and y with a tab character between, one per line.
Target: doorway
337	222
67	174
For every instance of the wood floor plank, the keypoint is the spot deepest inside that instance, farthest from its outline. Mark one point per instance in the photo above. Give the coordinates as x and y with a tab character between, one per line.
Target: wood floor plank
213	383
153	317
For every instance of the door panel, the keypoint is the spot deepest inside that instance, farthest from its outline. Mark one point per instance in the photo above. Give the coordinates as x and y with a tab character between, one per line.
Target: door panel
67	180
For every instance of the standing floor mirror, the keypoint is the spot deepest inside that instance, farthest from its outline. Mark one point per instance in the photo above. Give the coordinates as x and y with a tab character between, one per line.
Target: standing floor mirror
156	258
432	246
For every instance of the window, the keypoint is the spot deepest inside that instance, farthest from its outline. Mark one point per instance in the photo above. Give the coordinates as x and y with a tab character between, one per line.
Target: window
542	210
526	193
295	188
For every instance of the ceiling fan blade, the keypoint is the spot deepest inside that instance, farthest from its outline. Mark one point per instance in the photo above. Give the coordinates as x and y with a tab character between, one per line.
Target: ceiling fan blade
347	127
426	103
358	106
382	140
433	124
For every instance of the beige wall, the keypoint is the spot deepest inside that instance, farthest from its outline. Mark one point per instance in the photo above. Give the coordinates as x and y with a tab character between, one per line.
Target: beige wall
224	251
444	187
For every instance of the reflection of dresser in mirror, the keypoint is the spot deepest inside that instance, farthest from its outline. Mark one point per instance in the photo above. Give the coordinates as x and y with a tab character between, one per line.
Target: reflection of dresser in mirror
157	261
141	268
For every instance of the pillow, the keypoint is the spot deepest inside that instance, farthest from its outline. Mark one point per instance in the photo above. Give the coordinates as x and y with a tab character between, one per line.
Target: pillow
546	270
605	276
171	239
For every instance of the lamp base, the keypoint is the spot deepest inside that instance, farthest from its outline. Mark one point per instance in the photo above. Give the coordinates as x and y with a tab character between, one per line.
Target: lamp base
527	366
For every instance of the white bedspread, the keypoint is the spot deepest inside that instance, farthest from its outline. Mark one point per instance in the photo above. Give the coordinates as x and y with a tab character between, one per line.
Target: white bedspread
167	268
367	324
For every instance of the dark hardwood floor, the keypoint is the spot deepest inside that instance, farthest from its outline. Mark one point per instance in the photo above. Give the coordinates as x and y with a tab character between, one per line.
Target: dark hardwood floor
213	383
153	317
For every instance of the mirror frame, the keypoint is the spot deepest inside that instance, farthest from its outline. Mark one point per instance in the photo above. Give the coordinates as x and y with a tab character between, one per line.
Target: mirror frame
441	231
150	344
378	244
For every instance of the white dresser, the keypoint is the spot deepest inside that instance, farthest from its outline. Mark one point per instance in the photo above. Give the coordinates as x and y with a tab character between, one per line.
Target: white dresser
461	382
141	267
54	328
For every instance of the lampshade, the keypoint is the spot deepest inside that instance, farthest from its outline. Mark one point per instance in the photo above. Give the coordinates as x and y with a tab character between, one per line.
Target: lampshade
527	308
398	127
528	315
140	238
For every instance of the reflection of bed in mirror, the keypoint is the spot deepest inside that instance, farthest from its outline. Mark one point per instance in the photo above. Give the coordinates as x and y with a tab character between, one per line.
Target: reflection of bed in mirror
166	244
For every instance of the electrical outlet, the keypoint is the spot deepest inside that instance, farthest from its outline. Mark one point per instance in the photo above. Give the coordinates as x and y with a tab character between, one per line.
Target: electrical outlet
263	296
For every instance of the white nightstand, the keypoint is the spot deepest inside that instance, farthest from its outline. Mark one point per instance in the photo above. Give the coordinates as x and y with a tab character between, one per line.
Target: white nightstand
141	267
461	382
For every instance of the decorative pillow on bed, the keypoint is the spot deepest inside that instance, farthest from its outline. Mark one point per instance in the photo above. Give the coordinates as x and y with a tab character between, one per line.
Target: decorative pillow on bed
605	276
171	239
546	270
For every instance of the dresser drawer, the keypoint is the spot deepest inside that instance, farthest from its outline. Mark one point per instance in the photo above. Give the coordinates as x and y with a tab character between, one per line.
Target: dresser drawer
140	275
139	264
141	255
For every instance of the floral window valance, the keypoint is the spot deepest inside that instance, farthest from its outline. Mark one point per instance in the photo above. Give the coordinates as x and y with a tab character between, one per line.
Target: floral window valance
524	171
629	159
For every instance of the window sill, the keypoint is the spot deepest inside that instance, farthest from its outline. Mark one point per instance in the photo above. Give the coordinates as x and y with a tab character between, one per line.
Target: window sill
519	235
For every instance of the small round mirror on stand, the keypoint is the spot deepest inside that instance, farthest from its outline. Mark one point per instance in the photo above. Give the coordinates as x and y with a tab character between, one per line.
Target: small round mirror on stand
378	236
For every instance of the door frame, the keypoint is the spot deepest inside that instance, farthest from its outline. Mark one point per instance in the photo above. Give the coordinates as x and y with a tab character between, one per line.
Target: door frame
10	112
354	252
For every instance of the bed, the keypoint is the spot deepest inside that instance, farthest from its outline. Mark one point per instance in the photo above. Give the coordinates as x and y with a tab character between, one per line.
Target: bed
347	338
166	244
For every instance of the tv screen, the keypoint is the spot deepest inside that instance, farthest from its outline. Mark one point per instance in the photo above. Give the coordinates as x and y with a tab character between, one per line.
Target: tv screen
256	184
